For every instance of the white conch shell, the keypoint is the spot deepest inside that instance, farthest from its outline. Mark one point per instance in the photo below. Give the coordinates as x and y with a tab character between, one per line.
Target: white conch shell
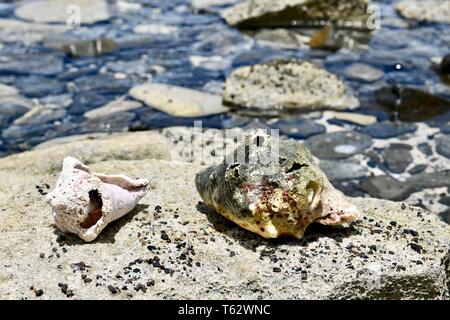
84	202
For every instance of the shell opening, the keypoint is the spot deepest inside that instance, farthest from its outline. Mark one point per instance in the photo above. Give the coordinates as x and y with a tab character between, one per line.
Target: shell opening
95	204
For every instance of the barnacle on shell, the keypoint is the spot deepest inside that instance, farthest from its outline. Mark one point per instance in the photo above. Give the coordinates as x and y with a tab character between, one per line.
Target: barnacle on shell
274	188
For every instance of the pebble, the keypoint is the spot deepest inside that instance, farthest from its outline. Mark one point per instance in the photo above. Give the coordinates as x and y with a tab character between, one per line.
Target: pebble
363	72
425	149
355	118
338	145
417	169
388	129
443	145
397	157
112	107
299	129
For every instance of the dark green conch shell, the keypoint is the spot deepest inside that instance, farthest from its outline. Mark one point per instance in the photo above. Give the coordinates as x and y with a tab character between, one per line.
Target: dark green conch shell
273	188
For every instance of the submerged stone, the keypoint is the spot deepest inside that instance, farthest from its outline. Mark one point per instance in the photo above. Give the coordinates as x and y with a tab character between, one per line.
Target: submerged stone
338	145
363	72
273	194
397	157
289	85
388	129
412	104
299	129
443	145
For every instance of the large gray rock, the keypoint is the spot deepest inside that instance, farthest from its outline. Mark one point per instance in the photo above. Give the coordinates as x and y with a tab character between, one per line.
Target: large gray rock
291	85
171	246
425	10
285	13
58	11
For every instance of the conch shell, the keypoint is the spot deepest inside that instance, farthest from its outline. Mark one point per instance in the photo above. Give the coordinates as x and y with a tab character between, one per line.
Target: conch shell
84	202
273	195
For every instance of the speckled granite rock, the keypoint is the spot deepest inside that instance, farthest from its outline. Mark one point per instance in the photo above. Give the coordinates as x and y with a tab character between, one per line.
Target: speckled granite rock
285	13
171	246
291	85
425	10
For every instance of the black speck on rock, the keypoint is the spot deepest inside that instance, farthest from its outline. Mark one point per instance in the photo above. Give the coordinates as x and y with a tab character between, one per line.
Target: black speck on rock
112	289
416	247
39	292
276	269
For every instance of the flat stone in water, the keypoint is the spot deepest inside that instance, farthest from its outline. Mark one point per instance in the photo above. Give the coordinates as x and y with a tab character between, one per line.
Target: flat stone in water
338	145
85	101
397	157
37	86
41	64
40	115
388	129
119	121
178	101
119	105
363	72
386	187
57	11
355	118
443	145
6	90
343	169
103	84
300	129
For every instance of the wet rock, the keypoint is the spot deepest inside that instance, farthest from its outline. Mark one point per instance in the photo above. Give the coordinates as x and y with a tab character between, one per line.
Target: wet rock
280	38
178	101
119	105
299	129
289	85
386	187
37	86
425	149
287	13
214	87
103	83
397	157
388	129
444	66
40	115
210	63
326	39
363	72
57	101
89	48
41	64
446	129
355	118
16	31
9	112
7	90
155	29
425	10
338	145
417	169
353	270
270	193
412	104
343	169
443	145
85	101
57	11
119	121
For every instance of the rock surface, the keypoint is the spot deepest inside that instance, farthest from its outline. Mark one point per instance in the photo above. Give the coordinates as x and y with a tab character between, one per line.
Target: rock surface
172	246
27	32
56	11
286	13
178	101
290	85
425	10
112	107
443	145
363	72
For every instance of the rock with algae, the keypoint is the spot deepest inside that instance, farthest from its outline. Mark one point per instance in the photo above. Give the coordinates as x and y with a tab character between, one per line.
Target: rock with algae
273	188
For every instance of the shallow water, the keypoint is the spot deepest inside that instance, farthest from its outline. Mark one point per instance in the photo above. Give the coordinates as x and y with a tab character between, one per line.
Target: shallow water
76	85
